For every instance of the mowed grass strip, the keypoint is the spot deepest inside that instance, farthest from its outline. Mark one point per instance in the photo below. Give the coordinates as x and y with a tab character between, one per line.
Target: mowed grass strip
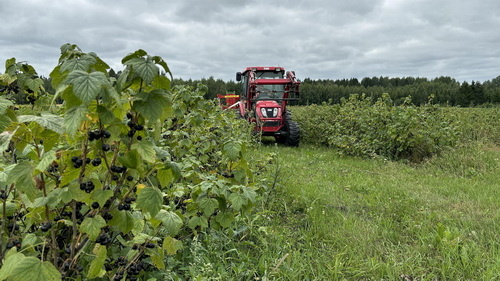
340	218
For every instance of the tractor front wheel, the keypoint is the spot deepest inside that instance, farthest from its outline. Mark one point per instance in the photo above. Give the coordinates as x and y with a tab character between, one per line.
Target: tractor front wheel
293	133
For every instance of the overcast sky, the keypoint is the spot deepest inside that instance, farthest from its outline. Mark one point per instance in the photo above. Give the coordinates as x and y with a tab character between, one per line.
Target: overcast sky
319	39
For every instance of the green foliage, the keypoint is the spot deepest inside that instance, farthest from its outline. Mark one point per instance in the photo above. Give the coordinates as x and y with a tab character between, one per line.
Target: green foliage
360	127
121	175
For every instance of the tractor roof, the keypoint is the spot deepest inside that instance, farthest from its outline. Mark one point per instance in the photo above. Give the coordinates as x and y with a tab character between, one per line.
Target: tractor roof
272	81
264	68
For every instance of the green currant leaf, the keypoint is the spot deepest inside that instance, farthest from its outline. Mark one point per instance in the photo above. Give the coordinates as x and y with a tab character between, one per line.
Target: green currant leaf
124	221
46	120
101	196
224	218
131	159
144	67
92	226
22	176
171	221
171	245
146	149
46	160
79	63
197	221
96	268
152	105
74	118
4	104
165	177
150	199
208	205
5	121
33	269
237	200
86	86
232	150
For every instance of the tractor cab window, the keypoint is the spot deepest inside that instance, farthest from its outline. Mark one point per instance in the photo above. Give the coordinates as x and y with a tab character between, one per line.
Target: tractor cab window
269	75
270	91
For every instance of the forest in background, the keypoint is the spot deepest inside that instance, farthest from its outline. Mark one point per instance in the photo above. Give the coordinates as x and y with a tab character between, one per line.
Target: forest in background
443	90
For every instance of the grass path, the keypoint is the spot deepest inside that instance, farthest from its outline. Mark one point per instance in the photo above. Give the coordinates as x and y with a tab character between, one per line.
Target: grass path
335	218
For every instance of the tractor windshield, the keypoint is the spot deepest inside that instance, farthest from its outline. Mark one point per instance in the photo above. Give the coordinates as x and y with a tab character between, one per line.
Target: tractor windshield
269	75
270	91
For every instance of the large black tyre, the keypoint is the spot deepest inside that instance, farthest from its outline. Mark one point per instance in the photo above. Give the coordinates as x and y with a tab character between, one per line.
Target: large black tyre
292	130
293	136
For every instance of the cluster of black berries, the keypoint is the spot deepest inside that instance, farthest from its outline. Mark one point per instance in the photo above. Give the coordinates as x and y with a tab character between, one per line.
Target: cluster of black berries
118	169
126	205
107	216
13	226
78	162
53	167
13	243
96	162
31	98
45	226
133	126
97	134
134	269
103	239
87	186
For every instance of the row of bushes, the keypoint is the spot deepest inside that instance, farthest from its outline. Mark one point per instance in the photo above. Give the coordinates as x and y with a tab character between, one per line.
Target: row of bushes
360	126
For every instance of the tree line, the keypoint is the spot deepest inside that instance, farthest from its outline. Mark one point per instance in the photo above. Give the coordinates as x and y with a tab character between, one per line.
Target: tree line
442	90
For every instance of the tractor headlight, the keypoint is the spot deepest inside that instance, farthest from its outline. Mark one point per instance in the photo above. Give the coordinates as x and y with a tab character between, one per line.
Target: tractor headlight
264	112
269	112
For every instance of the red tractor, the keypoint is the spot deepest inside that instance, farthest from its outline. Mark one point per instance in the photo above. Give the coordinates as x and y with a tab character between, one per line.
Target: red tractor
266	93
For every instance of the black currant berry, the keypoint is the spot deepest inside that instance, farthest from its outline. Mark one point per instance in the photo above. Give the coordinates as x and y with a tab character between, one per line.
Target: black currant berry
45	226
129	115
95	205
92	136
106	147
73	159
96	162
130	178
139	127
106	134
107	216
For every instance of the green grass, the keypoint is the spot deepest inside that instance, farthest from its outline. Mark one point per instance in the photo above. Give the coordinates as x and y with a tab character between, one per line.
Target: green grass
335	218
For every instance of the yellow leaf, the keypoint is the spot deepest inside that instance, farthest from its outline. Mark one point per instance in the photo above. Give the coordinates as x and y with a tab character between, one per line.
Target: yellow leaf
140	187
